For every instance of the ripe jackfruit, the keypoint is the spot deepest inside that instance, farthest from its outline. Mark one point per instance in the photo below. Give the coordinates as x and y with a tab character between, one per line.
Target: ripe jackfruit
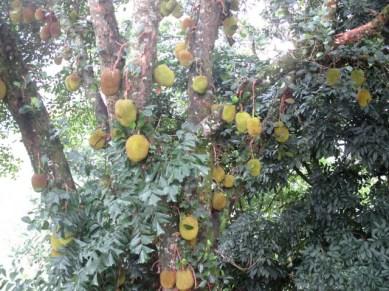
364	98
358	76
219	201
187	23
125	112
218	174
44	33
333	77
230	26
228	114
179	47
254	127
3	89
254	167
110	81
39	14
55	29
72	82
137	148
189	227
185	279
58	60
28	14
281	132
167	278
185	58
97	139
38	182
241	121
200	84
164	76
229	181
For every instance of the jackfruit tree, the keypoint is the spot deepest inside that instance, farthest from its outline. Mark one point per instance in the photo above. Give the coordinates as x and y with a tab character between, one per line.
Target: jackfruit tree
174	146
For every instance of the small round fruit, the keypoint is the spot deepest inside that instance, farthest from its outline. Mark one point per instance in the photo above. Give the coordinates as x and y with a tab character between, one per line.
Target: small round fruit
189	227
137	148
229	181
219	201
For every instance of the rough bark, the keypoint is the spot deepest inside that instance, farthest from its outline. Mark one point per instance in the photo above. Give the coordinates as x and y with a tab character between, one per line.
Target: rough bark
37	133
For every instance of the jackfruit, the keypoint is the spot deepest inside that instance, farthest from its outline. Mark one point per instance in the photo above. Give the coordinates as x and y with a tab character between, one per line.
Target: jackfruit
178	11
358	76
189	227
228	114
39	14
110	81
3	89
137	148
281	132
200	84
230	25
241	121
333	77
44	33
72	82
185	58
218	174
219	201
15	15
167	278
97	139
125	112
254	127
55	29
254	167
167	7
185	279
164	76
28	14
179	47
39	182
229	181
364	98
234	5
187	23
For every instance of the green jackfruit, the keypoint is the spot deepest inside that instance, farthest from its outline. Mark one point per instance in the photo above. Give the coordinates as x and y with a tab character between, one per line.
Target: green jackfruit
164	76
228	114
200	84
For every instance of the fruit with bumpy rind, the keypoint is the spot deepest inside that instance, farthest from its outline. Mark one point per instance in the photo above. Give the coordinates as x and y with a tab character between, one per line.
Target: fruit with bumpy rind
358	77
164	76
97	139
3	89
200	84
218	174
184	279
72	82
219	201
125	112
167	278
254	127
241	121
189	227
110	81
281	132
333	76
137	148
229	181
230	26
364	98
185	58
228	114
254	167
39	182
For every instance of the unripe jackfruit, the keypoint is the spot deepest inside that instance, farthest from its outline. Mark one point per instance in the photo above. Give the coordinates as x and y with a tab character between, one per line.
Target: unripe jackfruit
185	279
333	76
254	127
164	76
218	174
281	132
72	82
185	58
364	98
358	76
241	121
189	227
229	181
3	89
110	81
200	84
219	201
38	182
167	278
230	26
97	139
228	114
137	148
125	112
254	167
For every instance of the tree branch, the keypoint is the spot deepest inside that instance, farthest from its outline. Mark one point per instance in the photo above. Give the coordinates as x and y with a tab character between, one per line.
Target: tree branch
302	175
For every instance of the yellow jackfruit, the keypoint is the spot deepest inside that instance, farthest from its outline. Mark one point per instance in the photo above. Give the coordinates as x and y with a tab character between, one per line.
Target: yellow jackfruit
179	47
254	167
241	121
229	181
137	148
184	279
219	201
230	26
358	76
254	127
364	98
185	58
72	82
218	174
125	112
3	89
167	278
189	227
281	132
200	84
97	139
110	81
333	77
164	76
228	114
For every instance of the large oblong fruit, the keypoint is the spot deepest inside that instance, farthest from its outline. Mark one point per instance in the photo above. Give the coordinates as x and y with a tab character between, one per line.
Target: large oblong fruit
164	76
254	167
219	201
137	148
364	98
229	181
189	227
3	89
39	182
72	82
281	132
184	279
200	84
97	139
110	81
218	174
167	278
125	112
228	114
254	127
241	121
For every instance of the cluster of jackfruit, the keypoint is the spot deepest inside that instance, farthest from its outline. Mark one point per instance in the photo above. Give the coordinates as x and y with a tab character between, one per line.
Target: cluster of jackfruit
219	176
244	122
3	89
171	7
183	55
182	279
72	82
